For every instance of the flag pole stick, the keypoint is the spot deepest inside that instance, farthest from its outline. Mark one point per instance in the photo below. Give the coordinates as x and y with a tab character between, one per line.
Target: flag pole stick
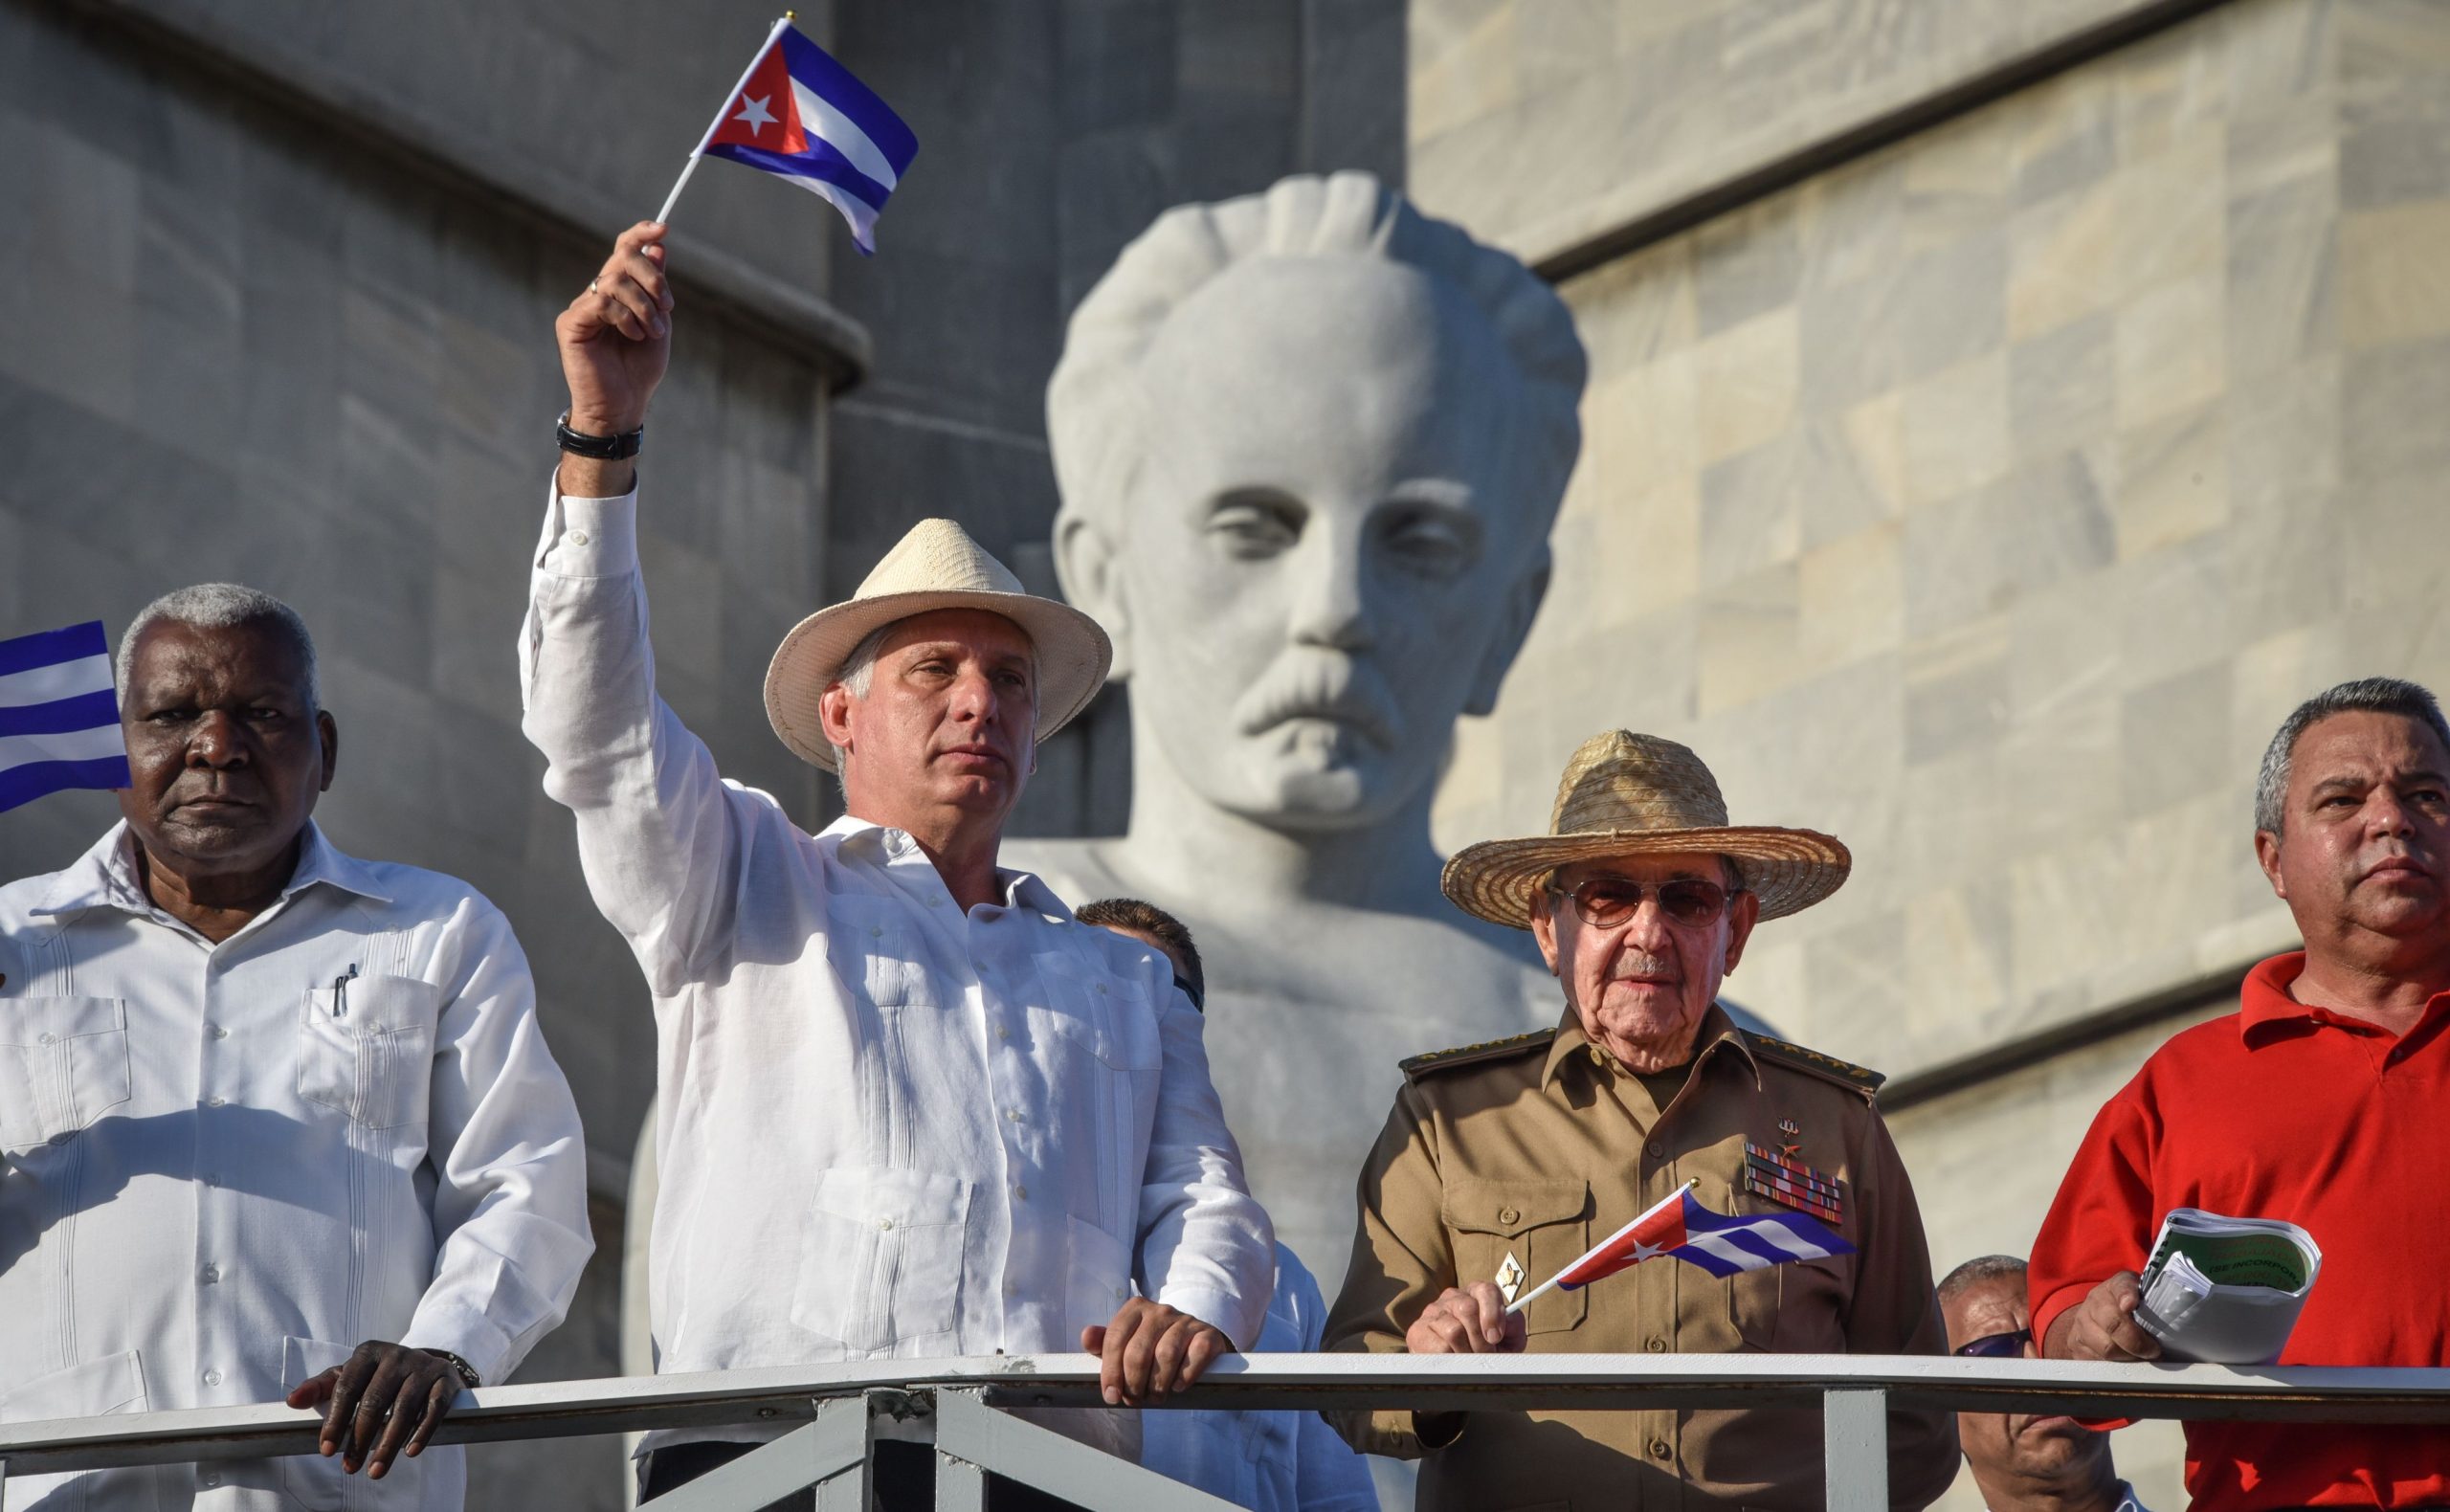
663	217
1647	1214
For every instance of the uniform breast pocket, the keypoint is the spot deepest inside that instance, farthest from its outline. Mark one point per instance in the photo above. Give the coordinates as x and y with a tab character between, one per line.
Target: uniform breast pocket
881	1264
1545	1225
1791	1308
63	1063
365	1047
1104	1016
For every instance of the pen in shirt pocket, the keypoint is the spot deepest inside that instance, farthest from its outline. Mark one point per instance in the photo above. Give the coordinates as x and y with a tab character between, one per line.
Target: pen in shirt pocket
340	992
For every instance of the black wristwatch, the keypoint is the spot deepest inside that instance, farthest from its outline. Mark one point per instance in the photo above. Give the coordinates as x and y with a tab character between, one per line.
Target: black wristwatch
600	448
467	1371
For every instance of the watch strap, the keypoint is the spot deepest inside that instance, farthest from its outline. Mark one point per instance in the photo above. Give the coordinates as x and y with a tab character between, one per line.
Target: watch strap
599	448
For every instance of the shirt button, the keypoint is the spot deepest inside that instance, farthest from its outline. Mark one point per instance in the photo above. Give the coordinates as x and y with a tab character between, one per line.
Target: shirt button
1654	1149
1021	1193
1001	1032
883	1224
875	932
207	1482
43	1039
213	1179
1102	988
216	1031
1659	1449
578	538
208	1275
213	1378
214	1102
1657	1346
1013	1114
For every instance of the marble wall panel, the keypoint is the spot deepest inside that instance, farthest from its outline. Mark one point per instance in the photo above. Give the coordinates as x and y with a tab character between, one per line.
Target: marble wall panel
2076	440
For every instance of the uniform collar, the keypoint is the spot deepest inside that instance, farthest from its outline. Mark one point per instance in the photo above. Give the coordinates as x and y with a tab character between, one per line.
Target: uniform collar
2264	1007
1718	1035
903	861
106	876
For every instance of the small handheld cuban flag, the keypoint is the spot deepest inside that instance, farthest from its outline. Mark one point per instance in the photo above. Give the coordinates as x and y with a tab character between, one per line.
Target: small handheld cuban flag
1718	1243
799	115
59	717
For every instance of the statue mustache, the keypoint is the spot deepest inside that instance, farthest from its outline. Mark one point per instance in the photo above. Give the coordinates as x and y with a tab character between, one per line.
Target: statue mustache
1312	684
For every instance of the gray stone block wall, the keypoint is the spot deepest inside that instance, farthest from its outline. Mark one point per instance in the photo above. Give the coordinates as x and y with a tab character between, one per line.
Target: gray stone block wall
238	347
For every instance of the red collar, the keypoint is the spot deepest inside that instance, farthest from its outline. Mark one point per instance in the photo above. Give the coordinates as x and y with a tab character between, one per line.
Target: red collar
2263	1002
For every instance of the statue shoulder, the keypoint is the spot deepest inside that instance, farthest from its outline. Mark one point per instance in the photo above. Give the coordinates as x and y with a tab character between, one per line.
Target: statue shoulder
1437	1061
1813	1063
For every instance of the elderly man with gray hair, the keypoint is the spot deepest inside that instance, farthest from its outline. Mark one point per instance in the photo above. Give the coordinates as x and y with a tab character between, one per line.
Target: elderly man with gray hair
260	1099
2311	1103
2021	1461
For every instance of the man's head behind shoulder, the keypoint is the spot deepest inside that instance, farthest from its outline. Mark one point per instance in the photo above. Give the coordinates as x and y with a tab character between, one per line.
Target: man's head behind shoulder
1160	932
2019	1459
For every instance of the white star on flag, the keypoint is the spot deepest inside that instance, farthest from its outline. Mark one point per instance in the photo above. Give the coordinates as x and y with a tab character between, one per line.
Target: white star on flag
1643	1252
755	113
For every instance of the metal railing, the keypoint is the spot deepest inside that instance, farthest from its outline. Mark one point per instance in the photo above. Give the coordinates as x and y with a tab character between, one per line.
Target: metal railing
832	1417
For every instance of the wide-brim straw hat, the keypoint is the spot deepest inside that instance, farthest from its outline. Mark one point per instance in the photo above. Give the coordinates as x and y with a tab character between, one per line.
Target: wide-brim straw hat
1625	794
937	566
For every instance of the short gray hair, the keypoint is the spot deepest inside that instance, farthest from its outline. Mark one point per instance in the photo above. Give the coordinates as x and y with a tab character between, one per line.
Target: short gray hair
222	606
2364	696
1975	1272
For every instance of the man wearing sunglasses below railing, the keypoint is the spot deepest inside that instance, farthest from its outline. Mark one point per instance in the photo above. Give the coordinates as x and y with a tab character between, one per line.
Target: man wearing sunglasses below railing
1502	1163
2023	1462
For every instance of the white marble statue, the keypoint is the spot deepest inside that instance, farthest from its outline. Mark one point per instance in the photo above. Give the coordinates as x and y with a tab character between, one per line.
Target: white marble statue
1311	443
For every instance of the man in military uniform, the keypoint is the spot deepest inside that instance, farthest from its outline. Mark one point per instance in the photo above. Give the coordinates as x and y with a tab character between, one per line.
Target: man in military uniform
1502	1163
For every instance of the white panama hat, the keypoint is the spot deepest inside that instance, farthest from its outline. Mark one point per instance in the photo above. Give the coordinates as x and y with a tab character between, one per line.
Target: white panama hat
936	566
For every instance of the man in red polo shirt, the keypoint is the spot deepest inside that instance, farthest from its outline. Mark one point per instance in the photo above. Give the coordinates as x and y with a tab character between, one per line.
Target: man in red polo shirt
2319	1101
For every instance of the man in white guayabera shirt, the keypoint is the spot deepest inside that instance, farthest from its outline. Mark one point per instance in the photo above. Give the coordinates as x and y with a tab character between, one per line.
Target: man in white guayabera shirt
274	1122
908	1105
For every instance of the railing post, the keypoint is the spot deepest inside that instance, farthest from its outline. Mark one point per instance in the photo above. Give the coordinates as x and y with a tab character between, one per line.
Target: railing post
1855	1432
960	1485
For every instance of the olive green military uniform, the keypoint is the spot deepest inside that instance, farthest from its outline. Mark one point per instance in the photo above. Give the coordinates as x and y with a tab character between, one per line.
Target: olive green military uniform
1538	1147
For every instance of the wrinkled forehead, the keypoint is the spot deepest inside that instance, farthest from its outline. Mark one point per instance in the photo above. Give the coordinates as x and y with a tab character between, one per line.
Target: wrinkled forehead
974	631
2367	744
1702	867
252	656
1993	1307
1345	372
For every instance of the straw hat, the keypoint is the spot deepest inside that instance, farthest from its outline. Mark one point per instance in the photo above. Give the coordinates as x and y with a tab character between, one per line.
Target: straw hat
936	566
1627	794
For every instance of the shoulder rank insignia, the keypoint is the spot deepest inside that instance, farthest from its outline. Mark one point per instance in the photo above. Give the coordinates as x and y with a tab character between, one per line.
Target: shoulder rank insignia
1779	1176
1829	1068
1472	1055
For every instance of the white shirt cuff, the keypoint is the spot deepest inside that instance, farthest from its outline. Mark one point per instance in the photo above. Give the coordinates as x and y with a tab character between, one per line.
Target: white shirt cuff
588	537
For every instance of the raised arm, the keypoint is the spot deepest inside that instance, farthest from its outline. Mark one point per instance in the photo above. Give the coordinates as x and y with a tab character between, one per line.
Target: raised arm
662	838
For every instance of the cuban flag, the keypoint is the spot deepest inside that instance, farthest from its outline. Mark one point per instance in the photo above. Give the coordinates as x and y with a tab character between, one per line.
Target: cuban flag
1717	1243
800	115
59	717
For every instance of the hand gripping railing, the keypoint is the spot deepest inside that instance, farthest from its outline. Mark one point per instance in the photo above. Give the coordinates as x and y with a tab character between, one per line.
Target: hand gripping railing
833	1415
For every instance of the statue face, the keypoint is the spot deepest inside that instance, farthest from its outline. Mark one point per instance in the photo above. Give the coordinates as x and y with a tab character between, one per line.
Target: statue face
1326	559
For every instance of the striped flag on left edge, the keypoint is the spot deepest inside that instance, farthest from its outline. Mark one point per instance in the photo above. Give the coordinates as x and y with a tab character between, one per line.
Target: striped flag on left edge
59	717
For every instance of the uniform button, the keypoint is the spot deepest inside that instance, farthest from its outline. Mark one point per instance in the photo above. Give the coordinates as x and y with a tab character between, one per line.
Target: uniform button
207	1482
1657	1346
578	538
1654	1149
876	932
43	1039
217	1030
1021	1193
883	1224
213	1378
213	1179
1659	1449
215	1101
1001	1032
1013	1114
1508	1215
1102	988
208	1275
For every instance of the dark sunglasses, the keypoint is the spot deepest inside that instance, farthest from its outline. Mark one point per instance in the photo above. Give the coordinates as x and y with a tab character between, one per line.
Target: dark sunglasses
1604	902
1998	1346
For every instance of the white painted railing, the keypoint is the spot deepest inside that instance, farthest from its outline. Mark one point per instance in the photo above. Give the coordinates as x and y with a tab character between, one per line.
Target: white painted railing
833	1414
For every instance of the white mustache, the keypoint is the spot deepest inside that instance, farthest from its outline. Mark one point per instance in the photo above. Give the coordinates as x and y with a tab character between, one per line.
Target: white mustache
1321	684
1632	965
